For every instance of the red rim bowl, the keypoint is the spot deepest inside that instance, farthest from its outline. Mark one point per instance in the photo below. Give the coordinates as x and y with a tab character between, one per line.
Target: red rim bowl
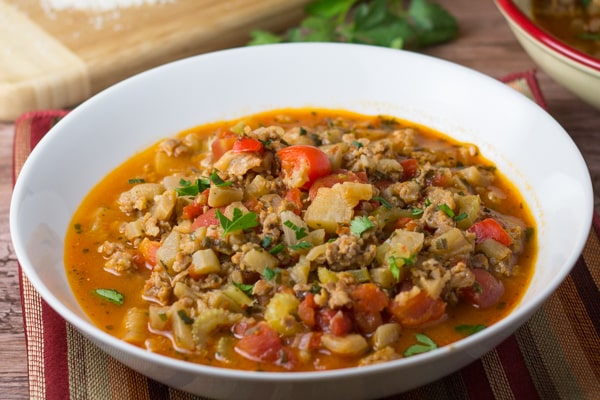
515	13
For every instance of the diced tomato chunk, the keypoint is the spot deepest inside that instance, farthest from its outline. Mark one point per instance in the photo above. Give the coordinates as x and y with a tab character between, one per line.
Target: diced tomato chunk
260	343
486	292
309	162
336	322
294	196
490	228
209	218
369	302
338	176
147	249
418	310
222	143
307	310
410	168
369	297
246	144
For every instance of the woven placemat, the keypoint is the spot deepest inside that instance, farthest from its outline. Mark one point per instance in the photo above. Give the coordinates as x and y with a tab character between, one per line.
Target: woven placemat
555	355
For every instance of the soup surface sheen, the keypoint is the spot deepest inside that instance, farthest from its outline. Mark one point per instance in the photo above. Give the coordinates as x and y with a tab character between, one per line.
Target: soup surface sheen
300	240
576	22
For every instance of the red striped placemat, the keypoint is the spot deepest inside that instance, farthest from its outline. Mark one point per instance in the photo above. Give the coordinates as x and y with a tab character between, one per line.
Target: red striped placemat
555	355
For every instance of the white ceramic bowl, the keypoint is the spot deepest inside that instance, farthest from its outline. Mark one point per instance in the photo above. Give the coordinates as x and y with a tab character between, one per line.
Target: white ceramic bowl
577	71
520	137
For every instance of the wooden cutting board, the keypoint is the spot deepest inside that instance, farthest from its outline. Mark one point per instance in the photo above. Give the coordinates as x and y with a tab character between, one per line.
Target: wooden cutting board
55	57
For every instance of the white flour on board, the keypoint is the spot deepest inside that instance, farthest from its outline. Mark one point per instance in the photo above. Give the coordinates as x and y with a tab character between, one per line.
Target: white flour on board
97	5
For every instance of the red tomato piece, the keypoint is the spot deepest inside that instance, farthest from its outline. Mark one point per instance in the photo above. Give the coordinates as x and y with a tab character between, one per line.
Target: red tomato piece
368	297
307	310
410	167
191	211
148	250
260	343
246	144
307	163
223	143
339	176
490	228
336	322
486	292
294	196
369	302
418	310
209	218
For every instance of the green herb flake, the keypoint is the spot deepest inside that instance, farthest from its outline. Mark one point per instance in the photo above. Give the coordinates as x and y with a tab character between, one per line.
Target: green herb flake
461	216
184	317
445	208
247	289
466	329
394	268
359	225
239	222
111	295
77	227
383	202
133	181
301	245
300	232
416	212
277	249
270	273
357	144
266	242
424	345
188	188
218	181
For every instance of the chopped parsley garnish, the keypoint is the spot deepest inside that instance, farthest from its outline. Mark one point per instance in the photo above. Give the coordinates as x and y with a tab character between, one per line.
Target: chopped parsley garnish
461	216
239	222
416	212
466	329
445	208
184	317
133	181
303	131
394	268
270	273
111	295
188	188
300	232
277	249
424	345
357	144
301	245
77	227
266	242
383	202
360	225
247	289
218	181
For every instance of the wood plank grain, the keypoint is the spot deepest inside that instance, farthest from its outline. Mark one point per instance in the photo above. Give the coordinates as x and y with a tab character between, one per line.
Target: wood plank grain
67	55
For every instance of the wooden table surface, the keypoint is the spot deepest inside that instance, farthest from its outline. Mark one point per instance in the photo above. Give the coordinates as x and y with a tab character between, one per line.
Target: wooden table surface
485	44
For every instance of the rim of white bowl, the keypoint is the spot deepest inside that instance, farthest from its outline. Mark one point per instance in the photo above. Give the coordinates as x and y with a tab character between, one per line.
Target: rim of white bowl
516	15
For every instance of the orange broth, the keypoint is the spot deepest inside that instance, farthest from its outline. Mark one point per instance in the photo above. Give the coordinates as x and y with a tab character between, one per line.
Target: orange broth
98	219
